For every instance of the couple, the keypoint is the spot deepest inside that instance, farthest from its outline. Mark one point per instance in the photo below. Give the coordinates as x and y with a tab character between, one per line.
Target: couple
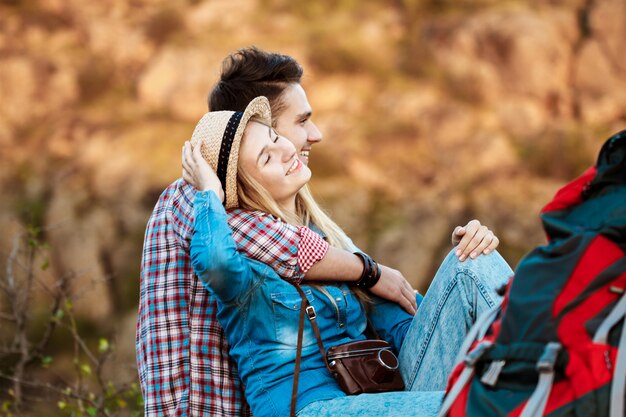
182	356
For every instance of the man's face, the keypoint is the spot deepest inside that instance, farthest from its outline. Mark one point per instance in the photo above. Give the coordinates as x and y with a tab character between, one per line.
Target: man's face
295	123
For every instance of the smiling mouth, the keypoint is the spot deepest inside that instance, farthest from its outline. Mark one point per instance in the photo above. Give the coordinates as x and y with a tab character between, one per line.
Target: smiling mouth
295	166
305	155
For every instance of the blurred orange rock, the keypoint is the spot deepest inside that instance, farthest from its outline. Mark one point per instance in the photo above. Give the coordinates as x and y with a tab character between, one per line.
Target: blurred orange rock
178	81
431	116
601	91
508	52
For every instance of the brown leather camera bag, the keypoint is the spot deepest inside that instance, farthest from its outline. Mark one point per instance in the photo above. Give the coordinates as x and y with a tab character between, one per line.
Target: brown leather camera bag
364	366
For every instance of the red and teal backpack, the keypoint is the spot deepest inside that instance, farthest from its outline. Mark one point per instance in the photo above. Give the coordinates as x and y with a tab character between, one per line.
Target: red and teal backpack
557	345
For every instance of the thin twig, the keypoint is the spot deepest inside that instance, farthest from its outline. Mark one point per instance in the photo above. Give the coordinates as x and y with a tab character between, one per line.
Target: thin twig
12	257
77	395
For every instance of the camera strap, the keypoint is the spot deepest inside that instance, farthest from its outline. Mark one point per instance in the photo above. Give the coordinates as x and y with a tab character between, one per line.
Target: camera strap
309	310
305	307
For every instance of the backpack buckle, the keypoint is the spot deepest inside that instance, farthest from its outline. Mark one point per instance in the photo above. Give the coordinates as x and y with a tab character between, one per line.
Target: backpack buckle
548	359
490	377
475	355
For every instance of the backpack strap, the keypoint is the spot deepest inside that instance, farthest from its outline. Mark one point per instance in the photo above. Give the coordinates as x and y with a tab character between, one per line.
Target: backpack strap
478	331
617	314
468	372
524	351
618	386
537	402
469	359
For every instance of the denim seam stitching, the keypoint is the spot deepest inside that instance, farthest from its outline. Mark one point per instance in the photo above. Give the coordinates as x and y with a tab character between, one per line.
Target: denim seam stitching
431	329
482	289
479	283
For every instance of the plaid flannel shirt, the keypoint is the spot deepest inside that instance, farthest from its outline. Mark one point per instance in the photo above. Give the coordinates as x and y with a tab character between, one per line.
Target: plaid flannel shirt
182	354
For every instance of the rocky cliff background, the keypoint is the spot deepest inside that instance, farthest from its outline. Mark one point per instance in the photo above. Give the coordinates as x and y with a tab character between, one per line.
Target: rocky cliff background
434	112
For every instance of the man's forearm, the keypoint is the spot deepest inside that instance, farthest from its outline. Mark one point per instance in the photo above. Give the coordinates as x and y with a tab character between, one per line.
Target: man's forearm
336	265
341	265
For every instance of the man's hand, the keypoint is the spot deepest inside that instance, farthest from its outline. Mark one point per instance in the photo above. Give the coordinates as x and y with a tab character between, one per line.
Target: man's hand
394	287
473	239
198	172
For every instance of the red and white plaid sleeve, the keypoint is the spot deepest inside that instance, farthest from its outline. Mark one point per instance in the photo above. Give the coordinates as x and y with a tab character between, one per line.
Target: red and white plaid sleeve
289	250
311	250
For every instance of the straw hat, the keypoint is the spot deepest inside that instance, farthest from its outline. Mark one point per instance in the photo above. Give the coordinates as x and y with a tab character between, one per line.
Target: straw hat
219	135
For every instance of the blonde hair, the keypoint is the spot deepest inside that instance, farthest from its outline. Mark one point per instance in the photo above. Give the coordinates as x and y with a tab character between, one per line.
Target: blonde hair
253	196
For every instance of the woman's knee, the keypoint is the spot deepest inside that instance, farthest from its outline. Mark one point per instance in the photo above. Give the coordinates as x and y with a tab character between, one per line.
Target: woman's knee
492	269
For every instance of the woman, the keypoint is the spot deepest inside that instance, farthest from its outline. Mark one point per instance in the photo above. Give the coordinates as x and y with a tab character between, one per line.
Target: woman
257	169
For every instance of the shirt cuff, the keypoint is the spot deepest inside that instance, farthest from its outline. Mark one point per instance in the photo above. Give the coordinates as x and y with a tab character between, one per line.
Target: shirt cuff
311	250
208	200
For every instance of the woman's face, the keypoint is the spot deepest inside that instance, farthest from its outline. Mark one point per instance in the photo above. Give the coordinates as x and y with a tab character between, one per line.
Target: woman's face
273	162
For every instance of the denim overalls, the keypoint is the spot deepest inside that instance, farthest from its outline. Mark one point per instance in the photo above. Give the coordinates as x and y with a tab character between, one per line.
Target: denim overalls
259	313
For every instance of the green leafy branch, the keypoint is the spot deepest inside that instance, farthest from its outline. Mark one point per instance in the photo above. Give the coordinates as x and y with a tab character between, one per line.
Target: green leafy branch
24	354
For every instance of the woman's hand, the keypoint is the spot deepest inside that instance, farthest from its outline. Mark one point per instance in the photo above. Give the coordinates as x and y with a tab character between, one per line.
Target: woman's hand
394	287
473	240
198	172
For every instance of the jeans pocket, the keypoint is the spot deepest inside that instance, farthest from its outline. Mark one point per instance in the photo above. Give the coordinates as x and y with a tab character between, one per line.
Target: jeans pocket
286	306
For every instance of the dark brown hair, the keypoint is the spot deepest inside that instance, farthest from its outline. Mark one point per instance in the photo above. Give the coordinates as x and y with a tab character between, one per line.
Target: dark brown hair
252	72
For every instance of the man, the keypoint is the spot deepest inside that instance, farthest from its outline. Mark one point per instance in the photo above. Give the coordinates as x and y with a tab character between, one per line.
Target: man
182	354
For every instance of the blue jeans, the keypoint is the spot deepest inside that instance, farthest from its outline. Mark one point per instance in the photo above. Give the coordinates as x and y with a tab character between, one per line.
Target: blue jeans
459	293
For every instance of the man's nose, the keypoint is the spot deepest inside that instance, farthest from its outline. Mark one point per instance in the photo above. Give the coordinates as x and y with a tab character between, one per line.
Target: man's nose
313	134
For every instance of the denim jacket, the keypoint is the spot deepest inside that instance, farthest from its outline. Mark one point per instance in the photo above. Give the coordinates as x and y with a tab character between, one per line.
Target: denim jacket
259	313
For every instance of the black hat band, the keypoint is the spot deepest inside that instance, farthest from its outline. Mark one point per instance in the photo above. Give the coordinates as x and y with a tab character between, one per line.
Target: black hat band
227	143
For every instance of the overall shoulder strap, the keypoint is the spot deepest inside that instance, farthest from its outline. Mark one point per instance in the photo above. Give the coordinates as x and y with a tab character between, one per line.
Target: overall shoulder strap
305	306
296	374
312	316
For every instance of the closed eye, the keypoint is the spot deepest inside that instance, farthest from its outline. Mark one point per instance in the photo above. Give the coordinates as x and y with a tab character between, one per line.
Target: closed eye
273	136
274	139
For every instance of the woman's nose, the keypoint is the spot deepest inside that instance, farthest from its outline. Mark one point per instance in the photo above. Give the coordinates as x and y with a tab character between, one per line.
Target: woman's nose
285	149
